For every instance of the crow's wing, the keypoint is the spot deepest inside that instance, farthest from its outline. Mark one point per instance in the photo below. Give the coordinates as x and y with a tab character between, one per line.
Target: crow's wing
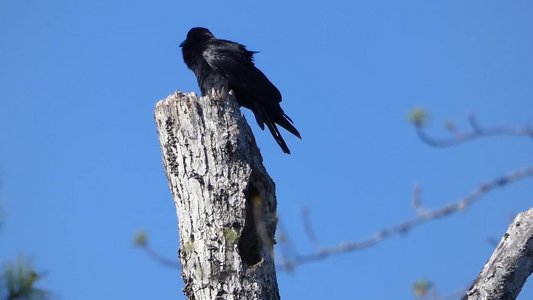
235	63
232	61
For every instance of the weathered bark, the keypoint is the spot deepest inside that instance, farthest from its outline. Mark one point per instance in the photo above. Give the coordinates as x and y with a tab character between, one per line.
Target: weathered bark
510	265
224	198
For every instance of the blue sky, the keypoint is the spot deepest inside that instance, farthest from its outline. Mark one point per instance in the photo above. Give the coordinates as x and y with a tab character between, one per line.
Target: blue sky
80	166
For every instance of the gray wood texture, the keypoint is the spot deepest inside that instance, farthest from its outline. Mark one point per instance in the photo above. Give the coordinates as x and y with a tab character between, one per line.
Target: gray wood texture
225	200
510	265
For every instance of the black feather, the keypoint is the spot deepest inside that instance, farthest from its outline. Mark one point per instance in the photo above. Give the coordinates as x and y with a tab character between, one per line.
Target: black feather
225	64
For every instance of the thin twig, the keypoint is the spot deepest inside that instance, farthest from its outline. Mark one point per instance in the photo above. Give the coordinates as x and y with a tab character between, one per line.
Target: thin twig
454	295
417	202
476	131
309	229
160	259
403	227
286	248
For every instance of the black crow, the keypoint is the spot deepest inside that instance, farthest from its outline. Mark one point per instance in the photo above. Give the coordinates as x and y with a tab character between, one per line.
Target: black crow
220	63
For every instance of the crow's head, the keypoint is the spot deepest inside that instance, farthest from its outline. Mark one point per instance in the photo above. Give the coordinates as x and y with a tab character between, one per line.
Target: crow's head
197	35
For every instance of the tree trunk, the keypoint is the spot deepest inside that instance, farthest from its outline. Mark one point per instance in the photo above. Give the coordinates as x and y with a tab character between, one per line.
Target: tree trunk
224	198
510	265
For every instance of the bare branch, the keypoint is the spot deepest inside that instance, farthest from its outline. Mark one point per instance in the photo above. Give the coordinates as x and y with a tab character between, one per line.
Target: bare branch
286	248
170	263
308	228
403	227
417	202
510	265
427	290
476	131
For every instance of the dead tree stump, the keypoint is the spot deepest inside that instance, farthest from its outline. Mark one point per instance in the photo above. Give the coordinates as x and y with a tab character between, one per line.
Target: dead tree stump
225	200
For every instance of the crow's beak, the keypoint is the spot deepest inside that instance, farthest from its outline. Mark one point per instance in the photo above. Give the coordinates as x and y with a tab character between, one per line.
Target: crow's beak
182	43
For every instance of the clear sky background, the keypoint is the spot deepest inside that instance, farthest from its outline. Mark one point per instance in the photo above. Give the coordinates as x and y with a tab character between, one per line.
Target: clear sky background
81	167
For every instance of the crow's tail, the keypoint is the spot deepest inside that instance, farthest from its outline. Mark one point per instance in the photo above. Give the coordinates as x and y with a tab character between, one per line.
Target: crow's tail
273	117
275	133
284	121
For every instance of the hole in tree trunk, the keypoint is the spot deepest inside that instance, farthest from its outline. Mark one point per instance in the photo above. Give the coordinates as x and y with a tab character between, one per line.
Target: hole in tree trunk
250	243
